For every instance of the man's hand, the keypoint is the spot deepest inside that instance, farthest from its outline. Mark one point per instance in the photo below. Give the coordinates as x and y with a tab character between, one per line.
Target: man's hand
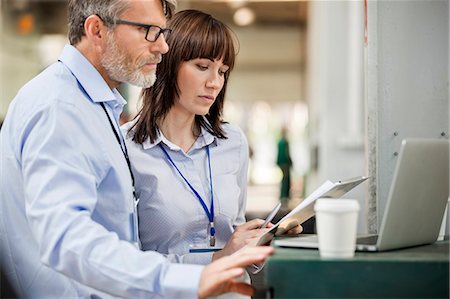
220	276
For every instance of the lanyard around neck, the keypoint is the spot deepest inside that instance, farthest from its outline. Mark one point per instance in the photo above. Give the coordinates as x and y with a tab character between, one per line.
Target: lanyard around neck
123	147
209	213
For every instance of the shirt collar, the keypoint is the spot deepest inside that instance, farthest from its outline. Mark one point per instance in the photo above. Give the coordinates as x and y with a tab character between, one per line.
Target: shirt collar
203	140
207	139
89	78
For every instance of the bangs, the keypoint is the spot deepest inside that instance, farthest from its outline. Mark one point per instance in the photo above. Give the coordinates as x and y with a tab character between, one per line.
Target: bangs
203	38
214	43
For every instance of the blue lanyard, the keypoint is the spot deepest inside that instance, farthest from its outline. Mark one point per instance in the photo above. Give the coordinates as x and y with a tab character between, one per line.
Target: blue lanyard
210	215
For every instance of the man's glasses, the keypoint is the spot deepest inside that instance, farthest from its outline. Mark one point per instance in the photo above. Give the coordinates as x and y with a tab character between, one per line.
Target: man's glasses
152	32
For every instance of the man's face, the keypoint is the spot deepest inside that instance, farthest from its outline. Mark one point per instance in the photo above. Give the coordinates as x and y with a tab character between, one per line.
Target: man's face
128	56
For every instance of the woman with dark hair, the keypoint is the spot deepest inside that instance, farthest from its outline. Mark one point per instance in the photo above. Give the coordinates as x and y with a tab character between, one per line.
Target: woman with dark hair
190	166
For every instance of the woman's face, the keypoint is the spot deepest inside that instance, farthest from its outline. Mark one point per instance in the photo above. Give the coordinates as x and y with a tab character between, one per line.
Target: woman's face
200	81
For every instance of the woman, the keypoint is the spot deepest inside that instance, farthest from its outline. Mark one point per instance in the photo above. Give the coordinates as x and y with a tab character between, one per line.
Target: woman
190	166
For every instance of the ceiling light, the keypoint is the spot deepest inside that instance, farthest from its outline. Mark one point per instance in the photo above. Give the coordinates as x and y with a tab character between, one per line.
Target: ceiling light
244	16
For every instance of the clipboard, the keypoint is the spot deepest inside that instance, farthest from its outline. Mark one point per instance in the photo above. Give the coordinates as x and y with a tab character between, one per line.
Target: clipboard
305	209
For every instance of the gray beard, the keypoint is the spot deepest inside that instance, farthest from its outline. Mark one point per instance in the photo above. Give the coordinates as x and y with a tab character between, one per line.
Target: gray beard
120	69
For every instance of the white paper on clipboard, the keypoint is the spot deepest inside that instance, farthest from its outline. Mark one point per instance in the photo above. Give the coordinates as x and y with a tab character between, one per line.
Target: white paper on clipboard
305	209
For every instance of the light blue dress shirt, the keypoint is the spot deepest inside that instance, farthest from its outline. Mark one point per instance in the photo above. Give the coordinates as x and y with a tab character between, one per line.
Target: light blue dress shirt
171	218
66	217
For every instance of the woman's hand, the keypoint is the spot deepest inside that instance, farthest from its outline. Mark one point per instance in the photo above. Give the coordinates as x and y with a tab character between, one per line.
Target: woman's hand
289	227
243	235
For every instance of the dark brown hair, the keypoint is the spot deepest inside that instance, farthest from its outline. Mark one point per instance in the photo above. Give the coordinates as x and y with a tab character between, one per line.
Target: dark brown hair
195	34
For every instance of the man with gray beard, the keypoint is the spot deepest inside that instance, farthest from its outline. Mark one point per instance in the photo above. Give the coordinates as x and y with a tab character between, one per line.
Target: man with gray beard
68	218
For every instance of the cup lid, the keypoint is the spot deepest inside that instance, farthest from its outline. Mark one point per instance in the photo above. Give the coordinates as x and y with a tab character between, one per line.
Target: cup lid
336	205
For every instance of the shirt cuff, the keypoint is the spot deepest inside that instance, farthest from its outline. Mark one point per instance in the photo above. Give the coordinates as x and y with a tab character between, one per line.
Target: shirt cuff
182	281
203	258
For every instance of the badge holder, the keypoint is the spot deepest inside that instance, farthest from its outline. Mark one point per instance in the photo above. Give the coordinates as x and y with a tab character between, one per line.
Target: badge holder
200	246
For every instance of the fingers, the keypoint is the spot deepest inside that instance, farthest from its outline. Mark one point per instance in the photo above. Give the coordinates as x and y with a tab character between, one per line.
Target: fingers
225	283
242	238
238	240
249	225
263	240
229	275
295	230
250	255
214	282
255	233
219	277
287	225
292	229
245	257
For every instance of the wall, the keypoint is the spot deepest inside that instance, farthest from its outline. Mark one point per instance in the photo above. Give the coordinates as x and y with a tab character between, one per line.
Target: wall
335	95
407	85
269	65
404	90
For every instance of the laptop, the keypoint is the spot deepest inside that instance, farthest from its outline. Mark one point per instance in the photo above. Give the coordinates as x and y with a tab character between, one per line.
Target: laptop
416	202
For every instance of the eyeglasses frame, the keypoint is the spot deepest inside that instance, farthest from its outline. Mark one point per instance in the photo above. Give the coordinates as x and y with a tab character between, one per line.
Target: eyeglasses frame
165	31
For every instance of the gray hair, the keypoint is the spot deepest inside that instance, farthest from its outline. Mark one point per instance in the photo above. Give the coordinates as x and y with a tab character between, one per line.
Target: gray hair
108	10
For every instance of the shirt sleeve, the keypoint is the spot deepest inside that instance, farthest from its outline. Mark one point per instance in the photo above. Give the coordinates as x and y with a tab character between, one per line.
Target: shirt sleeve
198	258
242	177
60	182
242	181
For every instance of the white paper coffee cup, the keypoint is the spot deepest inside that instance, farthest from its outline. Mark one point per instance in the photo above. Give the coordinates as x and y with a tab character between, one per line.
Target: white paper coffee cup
336	223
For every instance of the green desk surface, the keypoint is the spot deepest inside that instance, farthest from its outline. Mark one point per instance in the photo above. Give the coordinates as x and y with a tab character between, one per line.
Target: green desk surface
418	272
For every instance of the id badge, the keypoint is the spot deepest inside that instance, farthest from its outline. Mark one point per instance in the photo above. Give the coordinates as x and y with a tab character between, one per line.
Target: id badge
200	246
201	249
135	225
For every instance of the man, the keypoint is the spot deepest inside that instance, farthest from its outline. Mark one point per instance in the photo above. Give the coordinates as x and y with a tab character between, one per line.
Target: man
67	218
285	163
